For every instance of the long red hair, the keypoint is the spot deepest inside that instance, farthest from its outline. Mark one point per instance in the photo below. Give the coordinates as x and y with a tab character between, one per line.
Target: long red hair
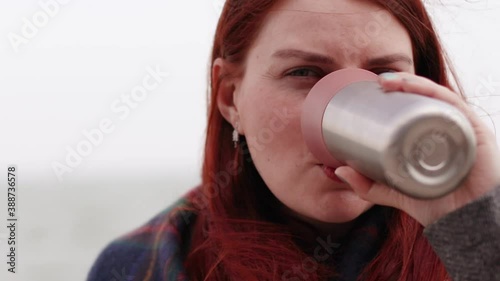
237	234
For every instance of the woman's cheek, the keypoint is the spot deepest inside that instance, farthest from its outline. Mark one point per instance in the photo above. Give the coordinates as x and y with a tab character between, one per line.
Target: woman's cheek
273	114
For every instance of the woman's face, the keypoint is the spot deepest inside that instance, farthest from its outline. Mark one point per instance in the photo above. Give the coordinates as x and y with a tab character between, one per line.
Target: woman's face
300	42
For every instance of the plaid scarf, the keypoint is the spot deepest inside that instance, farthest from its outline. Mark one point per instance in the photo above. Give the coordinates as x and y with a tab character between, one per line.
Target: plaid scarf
156	250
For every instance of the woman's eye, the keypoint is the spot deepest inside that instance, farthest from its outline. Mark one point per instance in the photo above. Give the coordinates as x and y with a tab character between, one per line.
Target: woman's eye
304	72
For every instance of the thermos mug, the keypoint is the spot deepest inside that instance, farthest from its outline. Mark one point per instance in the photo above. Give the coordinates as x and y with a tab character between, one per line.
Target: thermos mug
418	145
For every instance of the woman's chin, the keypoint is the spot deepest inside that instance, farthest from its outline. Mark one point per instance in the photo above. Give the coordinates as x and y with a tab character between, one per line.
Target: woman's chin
341	210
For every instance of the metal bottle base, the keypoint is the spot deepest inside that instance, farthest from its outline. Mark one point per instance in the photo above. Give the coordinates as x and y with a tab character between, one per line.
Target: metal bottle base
421	146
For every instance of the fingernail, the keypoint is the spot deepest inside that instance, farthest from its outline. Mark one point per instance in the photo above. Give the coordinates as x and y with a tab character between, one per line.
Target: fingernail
341	178
389	76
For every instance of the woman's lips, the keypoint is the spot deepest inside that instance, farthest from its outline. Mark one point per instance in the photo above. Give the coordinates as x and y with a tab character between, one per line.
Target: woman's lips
330	173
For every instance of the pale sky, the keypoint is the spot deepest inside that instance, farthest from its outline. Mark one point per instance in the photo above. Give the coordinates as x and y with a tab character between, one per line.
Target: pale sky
66	77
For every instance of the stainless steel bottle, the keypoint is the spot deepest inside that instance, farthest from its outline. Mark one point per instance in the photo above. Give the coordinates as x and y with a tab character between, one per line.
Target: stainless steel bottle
421	146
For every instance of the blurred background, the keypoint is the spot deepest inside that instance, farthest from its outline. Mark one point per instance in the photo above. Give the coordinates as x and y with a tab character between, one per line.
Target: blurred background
98	156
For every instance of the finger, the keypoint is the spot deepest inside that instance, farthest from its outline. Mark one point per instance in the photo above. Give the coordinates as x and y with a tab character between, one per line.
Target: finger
410	83
353	178
369	190
407	82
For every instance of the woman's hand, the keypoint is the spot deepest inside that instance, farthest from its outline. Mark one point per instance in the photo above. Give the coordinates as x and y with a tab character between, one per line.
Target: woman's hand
483	177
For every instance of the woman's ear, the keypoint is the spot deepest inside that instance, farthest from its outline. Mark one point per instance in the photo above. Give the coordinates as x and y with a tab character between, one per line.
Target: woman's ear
224	71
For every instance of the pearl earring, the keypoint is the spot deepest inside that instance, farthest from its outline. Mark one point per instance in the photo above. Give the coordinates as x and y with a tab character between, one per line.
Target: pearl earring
236	136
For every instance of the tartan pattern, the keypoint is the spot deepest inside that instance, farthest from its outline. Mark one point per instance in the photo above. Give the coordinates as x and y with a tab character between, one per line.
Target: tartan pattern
154	251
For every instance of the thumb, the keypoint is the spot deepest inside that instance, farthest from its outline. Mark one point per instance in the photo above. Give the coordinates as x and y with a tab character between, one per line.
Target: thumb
369	190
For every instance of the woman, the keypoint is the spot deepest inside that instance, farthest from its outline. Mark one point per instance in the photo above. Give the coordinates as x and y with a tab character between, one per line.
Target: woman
267	209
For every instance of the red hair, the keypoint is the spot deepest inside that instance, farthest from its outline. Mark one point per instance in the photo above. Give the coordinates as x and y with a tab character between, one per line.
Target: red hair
238	234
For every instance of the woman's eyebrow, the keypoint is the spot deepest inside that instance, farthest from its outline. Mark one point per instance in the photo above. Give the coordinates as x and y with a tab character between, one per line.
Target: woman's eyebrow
319	58
390	59
306	56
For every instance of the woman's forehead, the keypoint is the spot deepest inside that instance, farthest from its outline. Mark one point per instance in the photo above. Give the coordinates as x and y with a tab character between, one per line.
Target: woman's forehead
373	31
338	7
334	18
